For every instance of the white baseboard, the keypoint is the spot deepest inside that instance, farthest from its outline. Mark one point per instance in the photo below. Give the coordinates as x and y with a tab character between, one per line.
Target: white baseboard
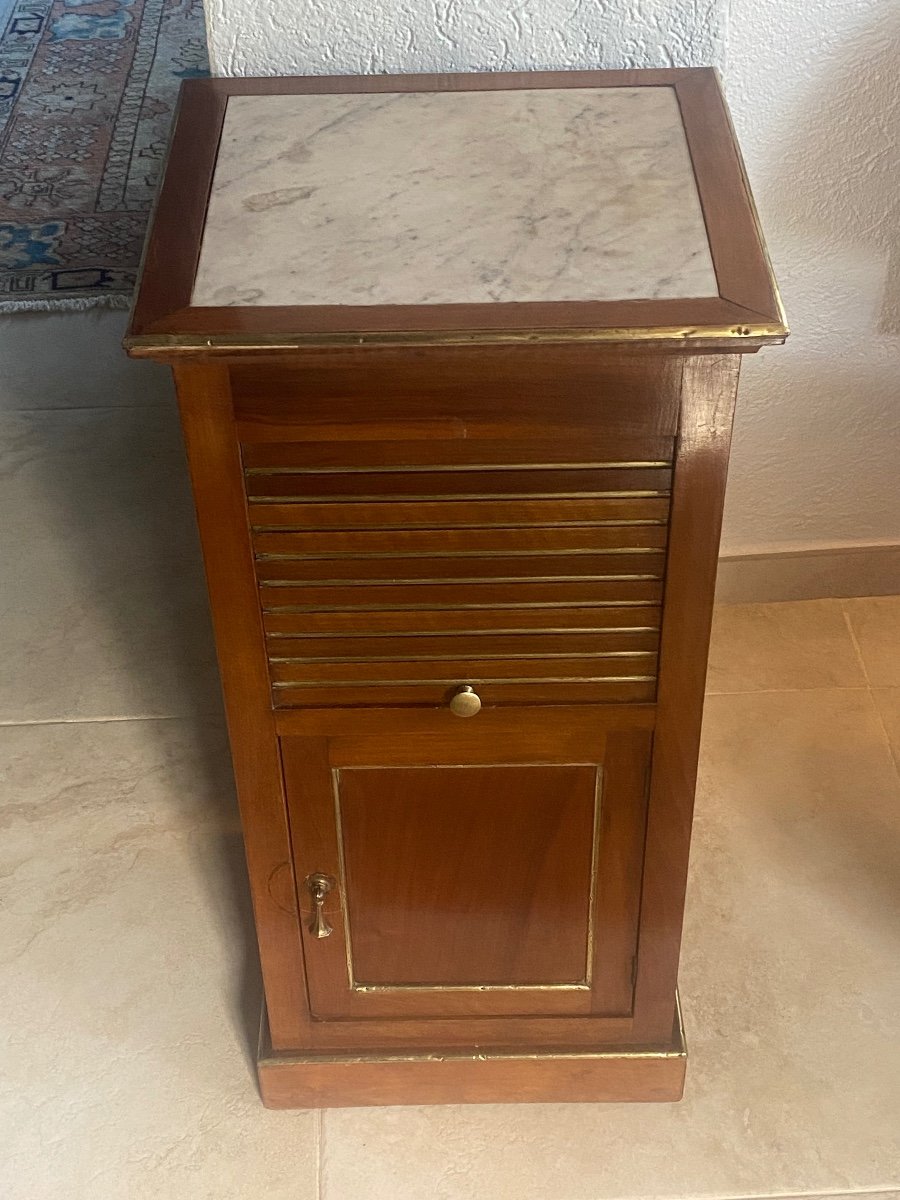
809	574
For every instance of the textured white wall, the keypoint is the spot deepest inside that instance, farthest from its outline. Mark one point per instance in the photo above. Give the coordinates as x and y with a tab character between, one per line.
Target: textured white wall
814	87
815	91
334	37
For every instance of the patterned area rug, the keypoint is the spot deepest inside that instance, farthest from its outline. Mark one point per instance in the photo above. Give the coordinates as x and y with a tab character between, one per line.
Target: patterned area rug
87	94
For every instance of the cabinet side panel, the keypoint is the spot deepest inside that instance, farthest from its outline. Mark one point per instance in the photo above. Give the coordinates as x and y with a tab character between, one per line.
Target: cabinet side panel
214	458
701	464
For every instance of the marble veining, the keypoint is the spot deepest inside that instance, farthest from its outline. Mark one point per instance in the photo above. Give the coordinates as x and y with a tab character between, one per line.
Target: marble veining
462	197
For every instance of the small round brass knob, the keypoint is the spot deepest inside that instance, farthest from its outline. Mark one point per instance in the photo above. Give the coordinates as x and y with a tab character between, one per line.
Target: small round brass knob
465	702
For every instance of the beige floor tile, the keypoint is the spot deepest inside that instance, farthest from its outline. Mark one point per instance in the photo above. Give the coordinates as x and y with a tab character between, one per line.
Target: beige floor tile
876	625
103	605
127	979
796	644
791	989
74	360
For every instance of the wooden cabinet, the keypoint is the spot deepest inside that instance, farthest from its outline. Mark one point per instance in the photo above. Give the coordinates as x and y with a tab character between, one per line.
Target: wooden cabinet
460	517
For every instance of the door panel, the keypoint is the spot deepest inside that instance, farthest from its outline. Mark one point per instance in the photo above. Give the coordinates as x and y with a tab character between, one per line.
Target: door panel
468	876
465	886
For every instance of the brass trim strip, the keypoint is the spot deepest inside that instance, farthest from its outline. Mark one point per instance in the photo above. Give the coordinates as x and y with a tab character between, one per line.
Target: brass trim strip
447	468
376	582
676	1049
266	1056
281	684
464	657
287	1058
394	555
212	345
409	526
342	867
303	635
296	609
595	867
402	497
375	989
367	988
463	766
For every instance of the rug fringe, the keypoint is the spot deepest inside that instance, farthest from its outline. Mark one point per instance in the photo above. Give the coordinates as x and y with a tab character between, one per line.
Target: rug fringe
65	304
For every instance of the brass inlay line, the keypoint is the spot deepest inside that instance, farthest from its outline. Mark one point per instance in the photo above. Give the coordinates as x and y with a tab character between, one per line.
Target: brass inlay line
274	610
466	657
595	861
464	633
396	555
464	766
477	579
412	526
471	987
342	867
444	468
412	498
365	683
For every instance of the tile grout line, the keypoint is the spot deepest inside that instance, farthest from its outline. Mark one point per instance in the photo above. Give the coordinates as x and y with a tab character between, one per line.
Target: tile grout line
895	760
832	687
853	638
889	1192
320	1146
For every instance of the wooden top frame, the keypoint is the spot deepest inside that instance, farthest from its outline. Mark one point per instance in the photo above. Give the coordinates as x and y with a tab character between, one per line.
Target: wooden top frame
745	315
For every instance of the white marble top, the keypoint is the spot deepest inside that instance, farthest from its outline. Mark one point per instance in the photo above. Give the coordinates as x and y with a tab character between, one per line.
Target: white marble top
453	197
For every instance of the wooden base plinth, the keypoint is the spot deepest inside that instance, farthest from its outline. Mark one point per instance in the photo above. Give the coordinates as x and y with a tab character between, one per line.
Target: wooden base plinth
291	1080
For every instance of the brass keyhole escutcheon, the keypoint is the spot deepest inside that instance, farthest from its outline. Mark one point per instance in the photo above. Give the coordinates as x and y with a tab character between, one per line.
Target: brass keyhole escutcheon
465	702
319	886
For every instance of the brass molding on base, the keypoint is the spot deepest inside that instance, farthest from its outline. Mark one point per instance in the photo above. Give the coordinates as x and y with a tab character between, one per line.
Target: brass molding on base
290	1079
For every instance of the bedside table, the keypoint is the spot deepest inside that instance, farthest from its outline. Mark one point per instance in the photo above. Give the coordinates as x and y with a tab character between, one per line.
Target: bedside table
456	358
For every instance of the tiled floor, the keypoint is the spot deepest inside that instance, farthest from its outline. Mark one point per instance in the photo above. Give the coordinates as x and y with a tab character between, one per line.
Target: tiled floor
128	989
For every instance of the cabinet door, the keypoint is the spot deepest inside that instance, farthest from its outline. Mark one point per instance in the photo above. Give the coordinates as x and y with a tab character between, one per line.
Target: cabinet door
470	878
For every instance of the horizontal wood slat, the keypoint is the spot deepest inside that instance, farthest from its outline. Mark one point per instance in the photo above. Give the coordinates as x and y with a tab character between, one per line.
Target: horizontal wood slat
520	594
459	621
458	453
630	664
442	542
471	514
366	572
437	695
544	586
453	646
536	482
